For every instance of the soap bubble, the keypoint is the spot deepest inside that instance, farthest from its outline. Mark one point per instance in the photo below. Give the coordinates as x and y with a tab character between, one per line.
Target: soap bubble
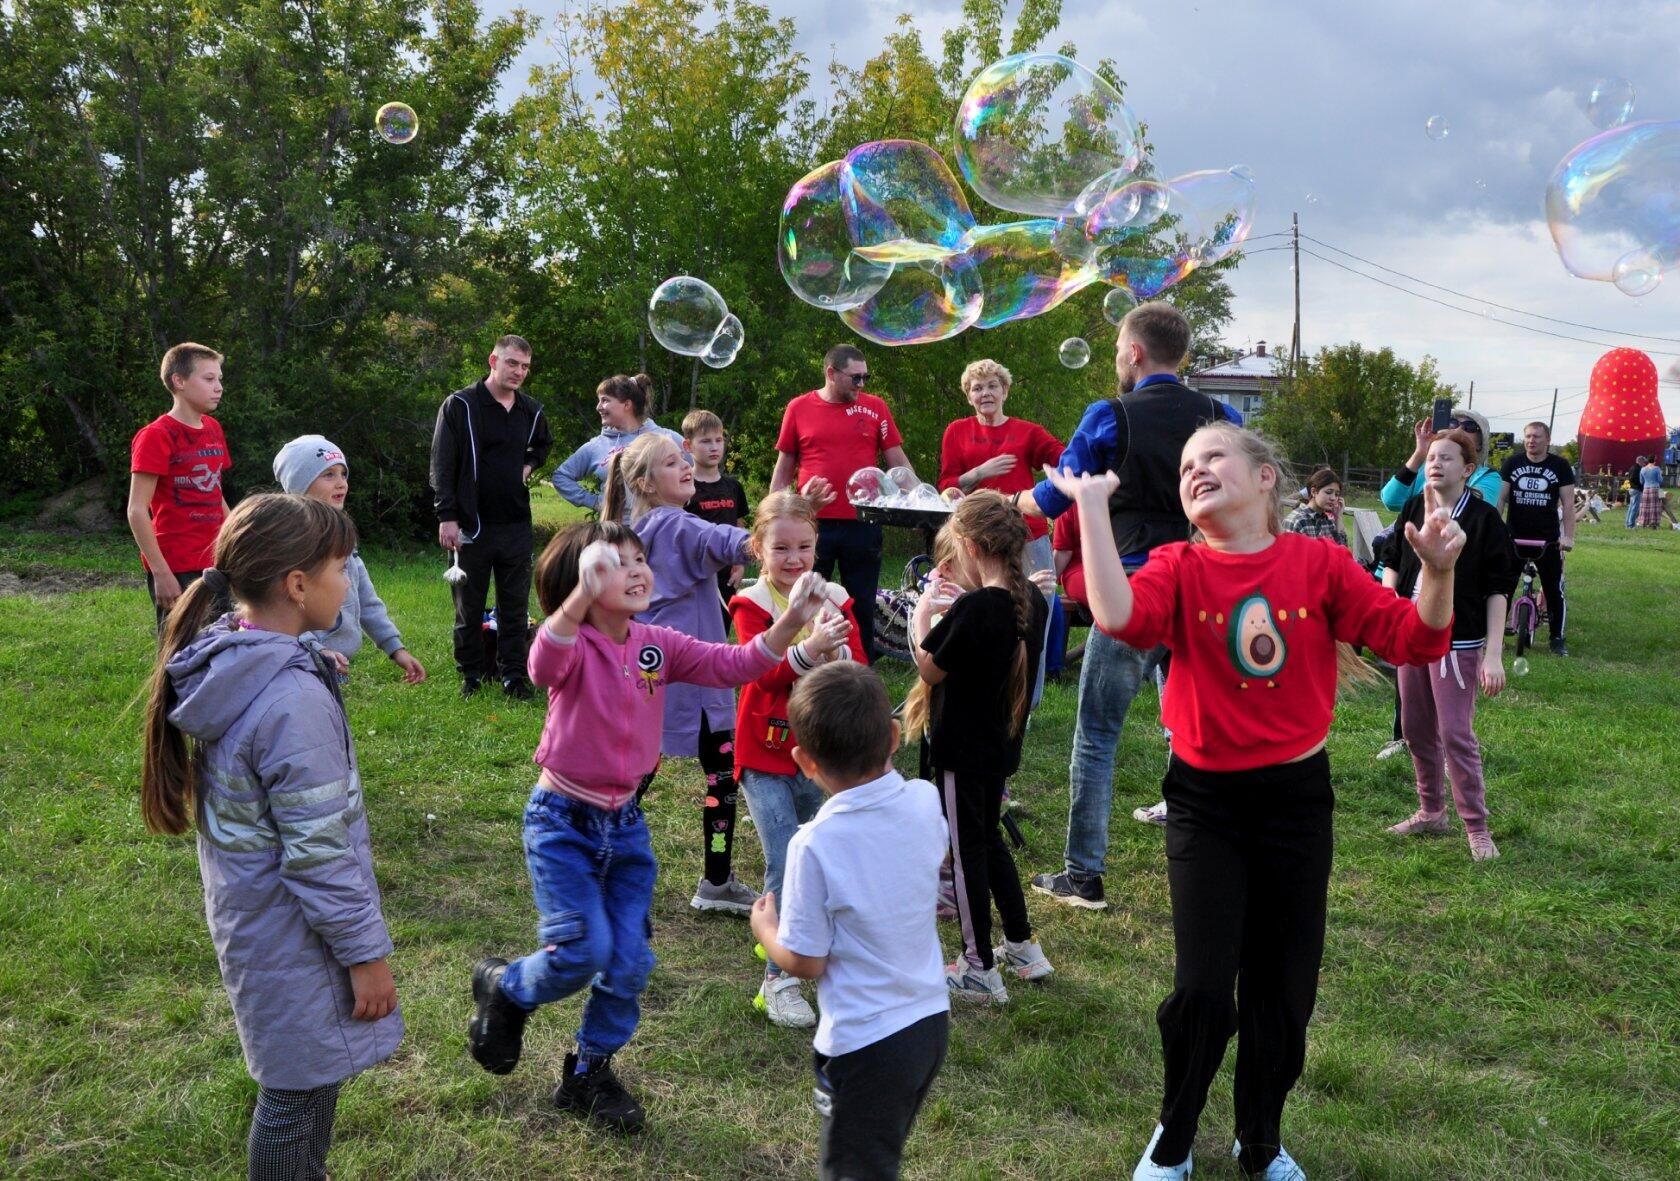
1116	304
814	247
903	478
1074	353
927	497
865	485
396	123
1021	273
1146	235
685	313
1608	102
1033	129
1614	201
922	302
1519	666
1636	273
902	203
1109	218
1436	127
725	344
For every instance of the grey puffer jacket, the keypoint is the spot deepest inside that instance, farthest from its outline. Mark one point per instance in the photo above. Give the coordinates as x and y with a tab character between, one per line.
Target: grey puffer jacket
284	854
363	611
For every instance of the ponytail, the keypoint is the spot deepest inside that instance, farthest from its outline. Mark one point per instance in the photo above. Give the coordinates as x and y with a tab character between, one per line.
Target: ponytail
613	492
627	471
167	768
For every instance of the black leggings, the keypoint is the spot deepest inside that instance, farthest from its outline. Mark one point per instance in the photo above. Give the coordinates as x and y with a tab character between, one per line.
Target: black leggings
1248	865
717	815
981	864
290	1134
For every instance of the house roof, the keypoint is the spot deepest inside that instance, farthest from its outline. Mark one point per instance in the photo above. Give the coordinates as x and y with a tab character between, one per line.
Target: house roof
1247	368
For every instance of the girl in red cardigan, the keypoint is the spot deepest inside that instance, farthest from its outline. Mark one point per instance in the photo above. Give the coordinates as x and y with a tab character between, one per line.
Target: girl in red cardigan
1252	616
779	797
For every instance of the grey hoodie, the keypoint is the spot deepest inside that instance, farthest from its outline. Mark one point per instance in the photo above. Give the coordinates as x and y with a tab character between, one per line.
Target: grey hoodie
284	854
592	459
363	611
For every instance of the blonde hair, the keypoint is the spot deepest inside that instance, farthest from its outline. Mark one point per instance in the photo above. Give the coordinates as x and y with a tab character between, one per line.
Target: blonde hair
630	478
786	505
699	422
984	368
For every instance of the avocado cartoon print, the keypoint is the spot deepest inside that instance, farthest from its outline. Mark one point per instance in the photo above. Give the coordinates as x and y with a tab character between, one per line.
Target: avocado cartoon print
1254	639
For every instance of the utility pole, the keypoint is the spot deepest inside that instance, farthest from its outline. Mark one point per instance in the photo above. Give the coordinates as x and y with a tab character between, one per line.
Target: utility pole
1471	404
1552	417
1295	337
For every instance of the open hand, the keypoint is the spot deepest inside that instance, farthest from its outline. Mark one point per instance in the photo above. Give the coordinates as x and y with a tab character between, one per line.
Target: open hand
1440	541
997	465
818	491
595	566
808	596
828	636
1082	487
413	671
1044	580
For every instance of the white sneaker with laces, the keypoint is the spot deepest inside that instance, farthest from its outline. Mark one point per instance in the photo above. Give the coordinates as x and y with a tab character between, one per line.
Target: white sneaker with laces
1282	1168
780	1000
1026	960
1154	814
1148	1170
1389	750
965	980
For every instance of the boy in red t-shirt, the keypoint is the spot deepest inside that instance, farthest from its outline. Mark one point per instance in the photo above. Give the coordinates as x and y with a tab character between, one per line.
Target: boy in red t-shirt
175	501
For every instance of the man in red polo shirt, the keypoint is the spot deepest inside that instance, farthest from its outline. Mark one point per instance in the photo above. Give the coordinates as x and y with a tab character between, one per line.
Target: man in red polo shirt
828	434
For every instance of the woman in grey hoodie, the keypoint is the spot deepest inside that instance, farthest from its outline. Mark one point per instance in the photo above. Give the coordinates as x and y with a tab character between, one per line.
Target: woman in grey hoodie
622	404
270	780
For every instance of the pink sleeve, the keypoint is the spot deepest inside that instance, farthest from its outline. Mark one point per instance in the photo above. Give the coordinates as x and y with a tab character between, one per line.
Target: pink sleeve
1154	599
723	666
551	660
787	441
1363	611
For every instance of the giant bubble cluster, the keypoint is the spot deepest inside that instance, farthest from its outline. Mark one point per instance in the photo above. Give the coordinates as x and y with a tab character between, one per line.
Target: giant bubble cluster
886	238
870	487
687	316
1613	206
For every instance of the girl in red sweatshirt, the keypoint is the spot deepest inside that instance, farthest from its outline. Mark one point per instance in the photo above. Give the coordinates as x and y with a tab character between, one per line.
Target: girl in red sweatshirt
1252	616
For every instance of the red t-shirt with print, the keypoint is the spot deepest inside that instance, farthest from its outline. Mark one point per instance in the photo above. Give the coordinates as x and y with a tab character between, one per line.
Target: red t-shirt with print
187	502
835	439
968	443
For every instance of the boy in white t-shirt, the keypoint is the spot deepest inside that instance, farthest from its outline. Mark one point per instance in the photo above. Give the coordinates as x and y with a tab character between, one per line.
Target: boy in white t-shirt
858	898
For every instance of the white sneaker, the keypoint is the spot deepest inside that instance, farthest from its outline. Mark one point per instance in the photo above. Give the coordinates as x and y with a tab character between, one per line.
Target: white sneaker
1397	746
1026	960
964	980
733	897
780	1000
1282	1168
1154	814
1148	1170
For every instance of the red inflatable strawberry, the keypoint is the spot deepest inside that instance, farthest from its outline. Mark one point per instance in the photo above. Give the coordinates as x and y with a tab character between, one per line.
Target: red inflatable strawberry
1623	418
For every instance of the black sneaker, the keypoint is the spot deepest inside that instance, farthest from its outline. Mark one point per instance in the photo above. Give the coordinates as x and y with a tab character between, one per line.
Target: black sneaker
599	1096
1559	648
1064	887
518	688
497	1032
469	686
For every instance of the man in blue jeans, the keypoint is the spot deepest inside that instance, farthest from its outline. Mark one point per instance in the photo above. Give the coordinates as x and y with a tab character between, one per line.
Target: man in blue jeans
1139	437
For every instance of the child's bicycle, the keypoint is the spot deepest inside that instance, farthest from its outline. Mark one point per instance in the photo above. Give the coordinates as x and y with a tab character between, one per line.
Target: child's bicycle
1528	605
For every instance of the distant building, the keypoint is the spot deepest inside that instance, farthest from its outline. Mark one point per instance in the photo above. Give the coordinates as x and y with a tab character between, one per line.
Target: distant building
1243	381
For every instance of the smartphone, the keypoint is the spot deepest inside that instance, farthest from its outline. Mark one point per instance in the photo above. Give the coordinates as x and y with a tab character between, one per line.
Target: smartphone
1442	418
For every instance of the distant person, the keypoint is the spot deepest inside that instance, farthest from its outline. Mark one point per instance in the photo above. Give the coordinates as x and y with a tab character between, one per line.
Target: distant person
488	440
718	496
176	501
1537	497
622	403
1404	484
856	916
1651	507
1321	515
827	434
1635	492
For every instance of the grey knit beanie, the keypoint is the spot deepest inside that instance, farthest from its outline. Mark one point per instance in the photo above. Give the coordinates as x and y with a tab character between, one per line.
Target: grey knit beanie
303	459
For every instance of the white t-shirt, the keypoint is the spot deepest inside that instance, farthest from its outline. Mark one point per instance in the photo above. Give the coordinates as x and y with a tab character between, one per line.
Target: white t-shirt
861	886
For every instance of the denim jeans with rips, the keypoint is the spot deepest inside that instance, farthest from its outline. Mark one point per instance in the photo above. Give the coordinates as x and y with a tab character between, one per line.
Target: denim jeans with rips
1109	677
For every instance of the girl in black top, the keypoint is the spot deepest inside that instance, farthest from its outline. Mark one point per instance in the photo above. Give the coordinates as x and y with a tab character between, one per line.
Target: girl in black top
979	662
1438	701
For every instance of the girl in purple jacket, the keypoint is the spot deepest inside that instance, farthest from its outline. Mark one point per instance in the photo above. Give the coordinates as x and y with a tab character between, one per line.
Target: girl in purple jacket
586	842
274	791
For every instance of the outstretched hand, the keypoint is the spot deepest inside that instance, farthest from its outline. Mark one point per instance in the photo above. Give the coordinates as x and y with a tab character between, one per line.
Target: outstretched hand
1440	541
595	565
828	635
808	596
1072	484
819	492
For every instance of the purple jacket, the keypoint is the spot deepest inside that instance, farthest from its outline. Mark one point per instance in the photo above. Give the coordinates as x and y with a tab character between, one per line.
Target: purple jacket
284	854
686	554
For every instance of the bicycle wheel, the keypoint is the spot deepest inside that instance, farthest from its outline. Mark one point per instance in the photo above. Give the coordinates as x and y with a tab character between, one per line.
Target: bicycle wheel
1525	625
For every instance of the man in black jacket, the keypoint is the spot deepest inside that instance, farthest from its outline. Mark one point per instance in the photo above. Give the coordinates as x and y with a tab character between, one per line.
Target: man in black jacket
488	439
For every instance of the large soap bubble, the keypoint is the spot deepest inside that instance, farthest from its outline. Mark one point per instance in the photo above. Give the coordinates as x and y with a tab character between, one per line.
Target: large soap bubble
867	485
1034	129
1608	102
725	344
1116	304
922	302
1613	205
1021	273
396	123
814	247
1146	235
685	315
902	202
1074	352
1110	217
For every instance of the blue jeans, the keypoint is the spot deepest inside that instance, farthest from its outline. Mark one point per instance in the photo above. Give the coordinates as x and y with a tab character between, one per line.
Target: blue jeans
592	874
779	805
1109	677
1633	508
1038	556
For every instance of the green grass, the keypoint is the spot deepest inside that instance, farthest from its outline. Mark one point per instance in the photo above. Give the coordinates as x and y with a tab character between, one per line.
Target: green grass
1512	1020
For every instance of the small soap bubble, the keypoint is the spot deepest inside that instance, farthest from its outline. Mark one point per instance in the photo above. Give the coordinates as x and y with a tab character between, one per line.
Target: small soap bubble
1116	304
1436	127
1608	102
903	478
865	485
685	314
1519	666
1636	273
396	123
726	344
1074	353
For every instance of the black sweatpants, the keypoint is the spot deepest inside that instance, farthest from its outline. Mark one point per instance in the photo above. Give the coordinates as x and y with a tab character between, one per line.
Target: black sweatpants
1248	865
184	577
502	552
869	1099
981	863
717	814
856	547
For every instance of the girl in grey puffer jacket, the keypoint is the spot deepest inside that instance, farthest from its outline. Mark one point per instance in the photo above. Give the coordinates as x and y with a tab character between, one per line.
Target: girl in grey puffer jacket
283	849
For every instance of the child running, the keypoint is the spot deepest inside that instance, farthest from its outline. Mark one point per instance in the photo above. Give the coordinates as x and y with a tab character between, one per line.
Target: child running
586	842
979	662
311	466
1252	615
654	479
271	781
779	795
857	917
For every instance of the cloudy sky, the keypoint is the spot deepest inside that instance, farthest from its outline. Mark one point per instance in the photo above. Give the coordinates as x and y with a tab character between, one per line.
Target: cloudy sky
1326	102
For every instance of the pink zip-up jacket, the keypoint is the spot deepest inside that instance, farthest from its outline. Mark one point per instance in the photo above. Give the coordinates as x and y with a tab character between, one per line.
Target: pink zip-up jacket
606	701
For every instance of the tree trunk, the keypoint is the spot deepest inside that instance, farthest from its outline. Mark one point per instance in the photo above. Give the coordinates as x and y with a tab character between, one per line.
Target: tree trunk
84	424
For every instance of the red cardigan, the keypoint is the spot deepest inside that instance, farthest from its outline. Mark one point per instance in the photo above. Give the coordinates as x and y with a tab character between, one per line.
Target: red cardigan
1253	640
761	730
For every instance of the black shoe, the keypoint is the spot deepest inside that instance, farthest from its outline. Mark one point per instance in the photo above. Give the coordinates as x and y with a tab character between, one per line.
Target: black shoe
599	1096
1064	887
1559	648
518	688
497	1032
469	686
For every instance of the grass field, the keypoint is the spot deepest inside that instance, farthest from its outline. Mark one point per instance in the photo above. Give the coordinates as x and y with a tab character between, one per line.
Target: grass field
1510	1020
